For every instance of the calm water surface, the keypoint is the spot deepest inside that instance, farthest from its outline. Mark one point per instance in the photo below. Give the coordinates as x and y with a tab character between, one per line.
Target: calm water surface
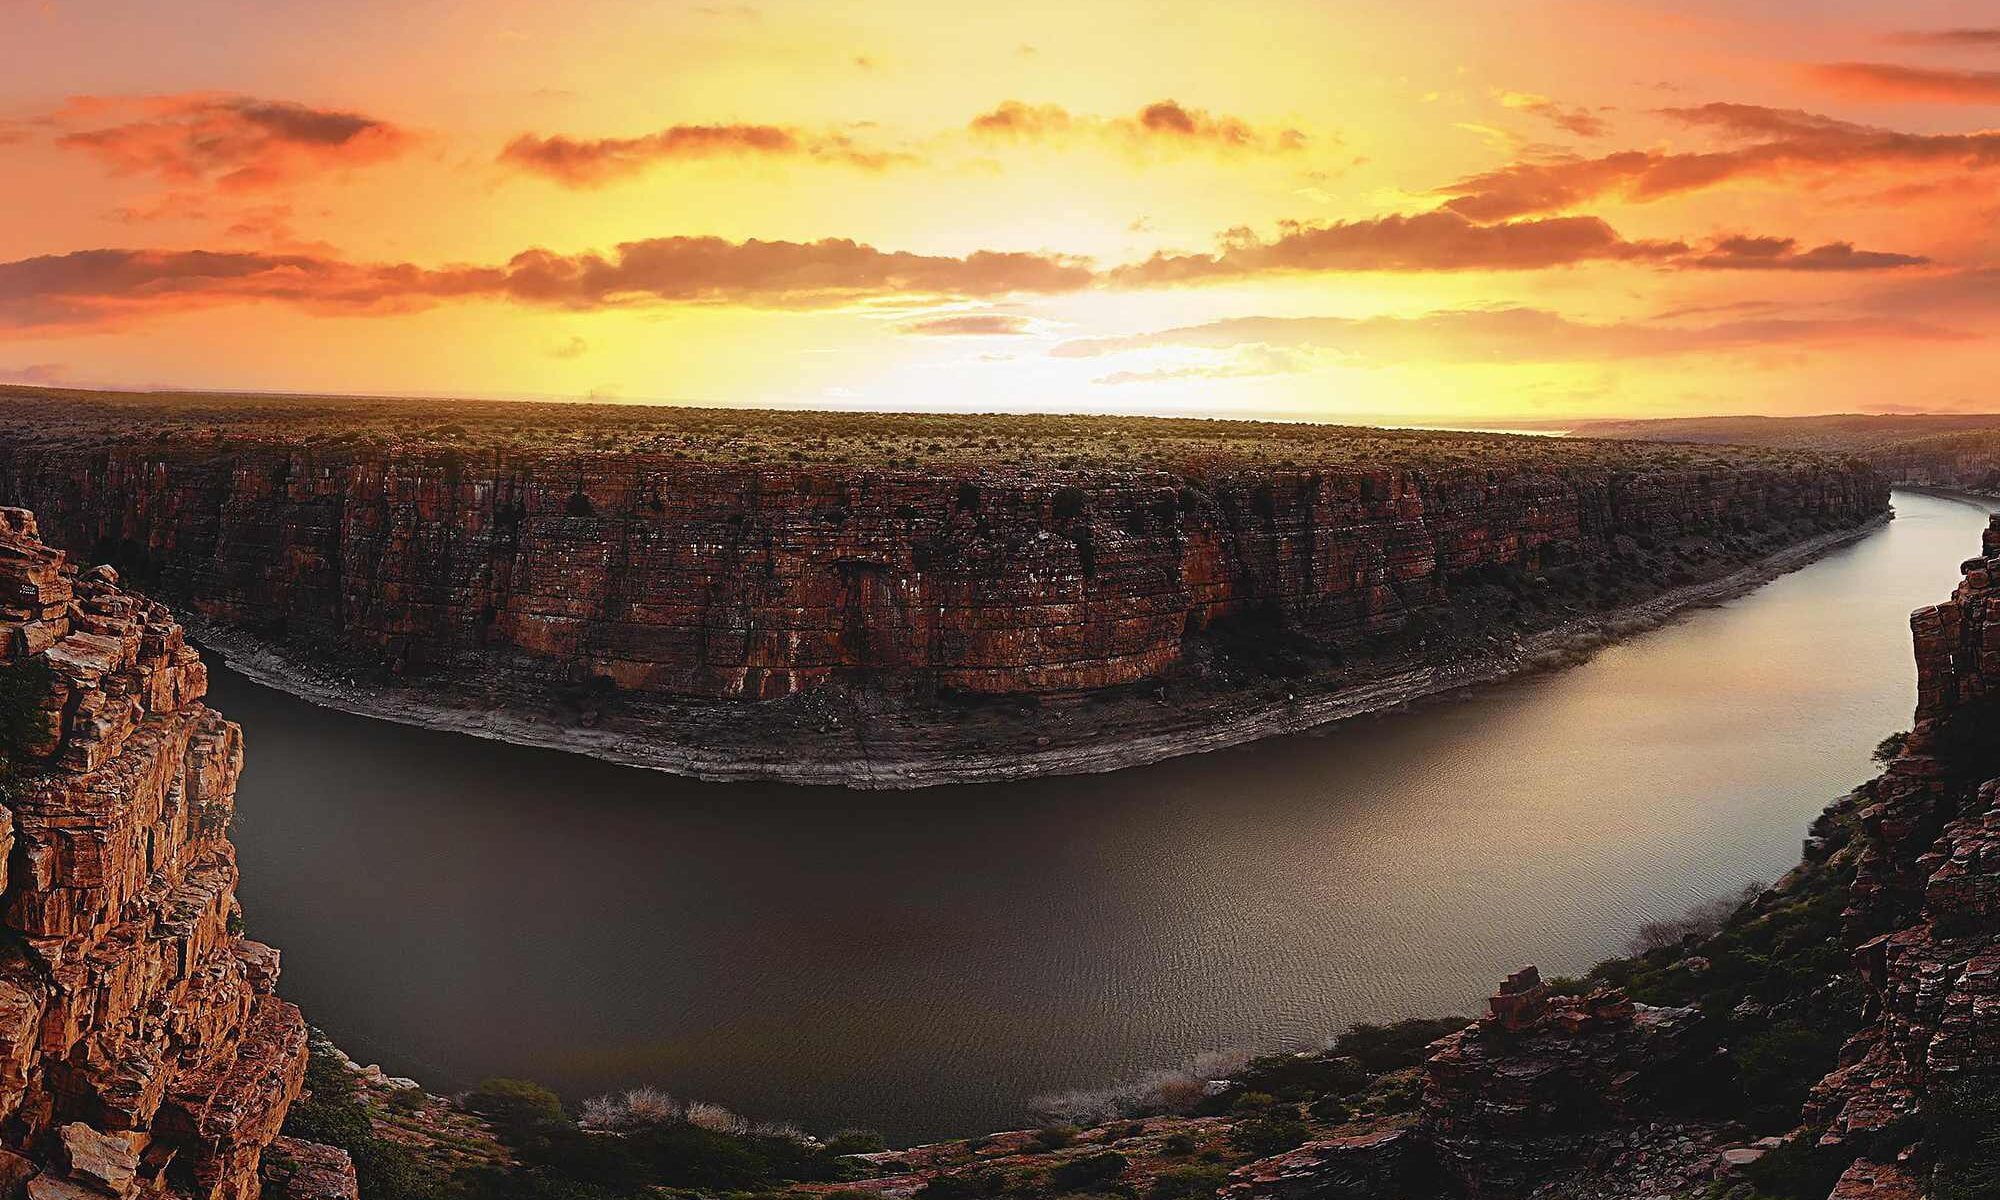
924	963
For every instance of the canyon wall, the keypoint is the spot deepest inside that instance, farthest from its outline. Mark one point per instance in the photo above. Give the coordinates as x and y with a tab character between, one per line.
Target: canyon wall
143	1050
516	571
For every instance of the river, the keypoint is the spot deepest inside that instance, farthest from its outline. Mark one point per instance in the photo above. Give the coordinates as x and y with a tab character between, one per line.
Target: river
922	963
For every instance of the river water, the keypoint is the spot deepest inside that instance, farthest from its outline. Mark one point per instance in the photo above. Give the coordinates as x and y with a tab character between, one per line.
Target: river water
923	963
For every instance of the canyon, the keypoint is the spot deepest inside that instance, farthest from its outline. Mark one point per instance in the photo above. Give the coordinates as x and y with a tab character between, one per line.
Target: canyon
147	1054
1836	1034
889	600
143	1048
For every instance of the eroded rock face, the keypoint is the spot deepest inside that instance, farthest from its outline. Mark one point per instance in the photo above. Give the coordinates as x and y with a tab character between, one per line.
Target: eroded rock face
645	575
1927	900
143	1051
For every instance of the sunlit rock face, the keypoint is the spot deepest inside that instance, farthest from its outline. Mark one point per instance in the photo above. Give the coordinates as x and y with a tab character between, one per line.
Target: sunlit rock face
143	1050
642	575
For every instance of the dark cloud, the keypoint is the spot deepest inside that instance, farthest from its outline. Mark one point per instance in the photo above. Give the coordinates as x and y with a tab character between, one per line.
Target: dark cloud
1975	38
969	324
588	163
1503	335
1779	143
1163	123
1896	83
1783	254
101	287
240	143
1433	241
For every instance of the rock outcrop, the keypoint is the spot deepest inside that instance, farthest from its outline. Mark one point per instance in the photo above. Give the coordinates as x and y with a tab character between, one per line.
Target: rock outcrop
1529	1090
651	597
143	1050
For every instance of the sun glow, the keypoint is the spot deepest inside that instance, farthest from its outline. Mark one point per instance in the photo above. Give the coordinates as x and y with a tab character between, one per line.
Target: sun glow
878	207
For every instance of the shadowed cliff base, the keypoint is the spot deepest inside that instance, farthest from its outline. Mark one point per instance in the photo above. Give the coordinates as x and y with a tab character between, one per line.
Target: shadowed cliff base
892	600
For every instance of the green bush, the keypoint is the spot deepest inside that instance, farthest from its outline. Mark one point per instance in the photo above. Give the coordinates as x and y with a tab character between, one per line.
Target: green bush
966	1185
1380	1048
1776	1067
1187	1183
332	1112
516	1107
1964	1130
1329	1110
855	1141
1271	1133
1084	1174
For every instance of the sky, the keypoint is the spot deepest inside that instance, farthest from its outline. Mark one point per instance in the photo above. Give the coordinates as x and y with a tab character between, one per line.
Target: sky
1412	211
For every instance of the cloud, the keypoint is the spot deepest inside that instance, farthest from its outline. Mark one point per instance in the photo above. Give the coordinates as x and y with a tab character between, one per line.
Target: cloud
1433	241
1782	254
575	347
97	288
1894	83
1948	294
1503	335
242	144
1579	121
1777	143
1163	124
1976	38
591	163
970	324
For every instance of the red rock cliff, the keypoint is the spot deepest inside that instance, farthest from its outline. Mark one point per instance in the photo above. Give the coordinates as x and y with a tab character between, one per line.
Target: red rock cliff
142	1048
760	581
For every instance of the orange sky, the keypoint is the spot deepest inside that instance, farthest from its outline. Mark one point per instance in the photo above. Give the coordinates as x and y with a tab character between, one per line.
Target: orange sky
1418	211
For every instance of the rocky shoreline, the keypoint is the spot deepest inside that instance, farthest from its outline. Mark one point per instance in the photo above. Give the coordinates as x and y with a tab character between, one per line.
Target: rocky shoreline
1140	730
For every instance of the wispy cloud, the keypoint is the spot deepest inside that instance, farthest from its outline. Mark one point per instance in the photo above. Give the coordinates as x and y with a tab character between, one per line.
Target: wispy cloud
1504	335
970	325
239	143
1972	38
1163	124
1896	83
99	288
1770	144
1577	120
1433	241
595	162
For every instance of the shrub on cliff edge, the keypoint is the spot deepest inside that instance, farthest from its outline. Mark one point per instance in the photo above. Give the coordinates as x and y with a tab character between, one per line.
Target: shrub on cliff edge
332	1112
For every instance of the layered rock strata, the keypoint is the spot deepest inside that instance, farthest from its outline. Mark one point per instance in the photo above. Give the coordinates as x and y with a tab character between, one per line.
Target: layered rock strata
143	1049
616	600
